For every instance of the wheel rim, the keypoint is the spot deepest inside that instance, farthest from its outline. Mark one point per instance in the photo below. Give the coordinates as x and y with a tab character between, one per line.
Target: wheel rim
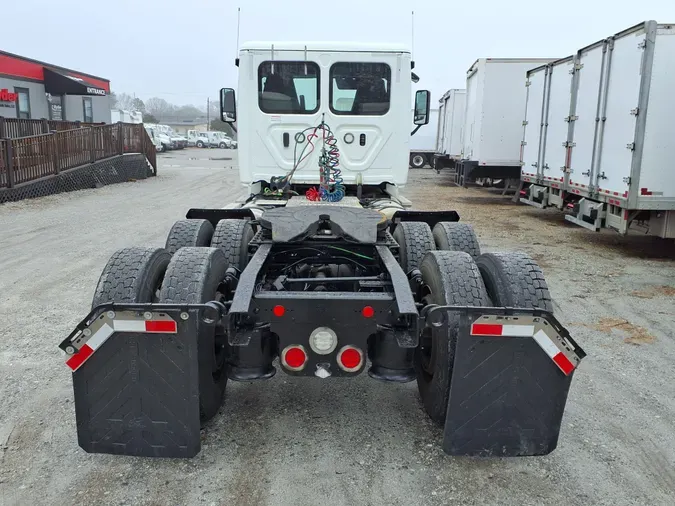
418	161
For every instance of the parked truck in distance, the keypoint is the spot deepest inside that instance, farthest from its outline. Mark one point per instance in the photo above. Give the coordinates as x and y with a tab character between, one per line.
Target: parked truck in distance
423	143
598	139
321	271
452	112
495	101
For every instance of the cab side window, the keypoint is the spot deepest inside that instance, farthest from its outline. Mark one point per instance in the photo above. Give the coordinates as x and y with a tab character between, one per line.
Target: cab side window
288	87
360	89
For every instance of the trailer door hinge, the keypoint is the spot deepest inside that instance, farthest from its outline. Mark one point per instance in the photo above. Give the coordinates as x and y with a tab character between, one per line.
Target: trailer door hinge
626	180
642	44
523	143
602	175
535	164
568	144
527	83
587	173
635	111
571	118
631	146
525	123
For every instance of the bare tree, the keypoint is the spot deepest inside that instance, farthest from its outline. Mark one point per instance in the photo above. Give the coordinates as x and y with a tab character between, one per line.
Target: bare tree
159	107
124	101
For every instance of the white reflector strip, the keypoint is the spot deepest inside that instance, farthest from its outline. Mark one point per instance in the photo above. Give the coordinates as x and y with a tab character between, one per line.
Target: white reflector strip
129	325
518	330
100	336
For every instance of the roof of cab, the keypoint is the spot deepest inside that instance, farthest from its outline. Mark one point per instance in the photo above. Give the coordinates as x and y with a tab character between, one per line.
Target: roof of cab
369	47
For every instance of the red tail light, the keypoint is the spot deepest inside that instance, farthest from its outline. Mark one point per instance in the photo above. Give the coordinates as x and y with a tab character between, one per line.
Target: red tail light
350	359
294	357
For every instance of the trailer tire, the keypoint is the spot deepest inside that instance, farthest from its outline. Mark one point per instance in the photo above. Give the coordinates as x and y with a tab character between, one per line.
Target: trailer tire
452	236
417	160
185	233
232	237
415	240
450	278
514	280
132	275
194	276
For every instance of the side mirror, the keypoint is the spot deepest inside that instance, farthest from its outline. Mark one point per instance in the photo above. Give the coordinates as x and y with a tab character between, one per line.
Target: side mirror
422	105
228	106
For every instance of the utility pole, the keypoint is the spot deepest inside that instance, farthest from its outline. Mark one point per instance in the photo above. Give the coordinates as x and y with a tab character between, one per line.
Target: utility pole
208	112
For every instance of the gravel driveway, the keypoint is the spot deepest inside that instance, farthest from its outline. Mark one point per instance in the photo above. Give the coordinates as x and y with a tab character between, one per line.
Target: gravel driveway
302	441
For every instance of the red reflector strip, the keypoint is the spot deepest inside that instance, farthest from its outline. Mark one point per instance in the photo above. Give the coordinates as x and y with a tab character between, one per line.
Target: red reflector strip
165	326
79	358
558	357
486	329
566	366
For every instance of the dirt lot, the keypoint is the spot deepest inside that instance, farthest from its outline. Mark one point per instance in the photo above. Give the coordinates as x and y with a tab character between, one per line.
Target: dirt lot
304	441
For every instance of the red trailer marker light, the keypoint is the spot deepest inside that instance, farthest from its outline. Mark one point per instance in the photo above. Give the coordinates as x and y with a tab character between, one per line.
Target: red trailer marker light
368	312
279	311
294	357
350	359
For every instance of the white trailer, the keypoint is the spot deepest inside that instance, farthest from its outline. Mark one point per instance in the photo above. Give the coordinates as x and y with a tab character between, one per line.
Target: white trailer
599	140
452	109
423	142
495	100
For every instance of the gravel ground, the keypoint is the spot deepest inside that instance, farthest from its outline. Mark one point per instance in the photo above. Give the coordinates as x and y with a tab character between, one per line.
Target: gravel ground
304	441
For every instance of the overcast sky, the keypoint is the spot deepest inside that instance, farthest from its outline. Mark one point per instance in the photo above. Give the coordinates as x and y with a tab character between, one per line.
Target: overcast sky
184	50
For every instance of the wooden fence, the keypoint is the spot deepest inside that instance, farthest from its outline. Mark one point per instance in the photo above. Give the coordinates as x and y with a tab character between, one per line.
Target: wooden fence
13	128
33	157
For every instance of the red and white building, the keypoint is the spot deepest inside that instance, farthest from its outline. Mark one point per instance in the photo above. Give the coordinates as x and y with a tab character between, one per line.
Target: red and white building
33	89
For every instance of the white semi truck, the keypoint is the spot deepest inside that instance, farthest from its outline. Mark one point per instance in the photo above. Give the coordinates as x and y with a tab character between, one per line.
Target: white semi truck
321	271
599	140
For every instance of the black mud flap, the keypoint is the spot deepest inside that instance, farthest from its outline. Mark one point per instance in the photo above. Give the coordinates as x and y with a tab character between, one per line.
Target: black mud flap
509	384
138	392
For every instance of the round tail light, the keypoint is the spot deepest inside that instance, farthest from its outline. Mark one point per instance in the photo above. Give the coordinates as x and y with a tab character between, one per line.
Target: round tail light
350	359
294	357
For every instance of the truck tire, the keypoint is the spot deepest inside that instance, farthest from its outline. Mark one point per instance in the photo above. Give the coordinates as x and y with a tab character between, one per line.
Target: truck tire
450	278
514	280
232	237
186	233
451	236
415	240
417	160
194	276
132	275
222	145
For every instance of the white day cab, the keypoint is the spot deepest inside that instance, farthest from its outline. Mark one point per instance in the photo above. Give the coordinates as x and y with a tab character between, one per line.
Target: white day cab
599	133
423	142
495	101
321	272
452	110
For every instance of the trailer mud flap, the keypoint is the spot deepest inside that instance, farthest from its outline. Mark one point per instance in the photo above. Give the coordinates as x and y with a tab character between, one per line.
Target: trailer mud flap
136	386
509	384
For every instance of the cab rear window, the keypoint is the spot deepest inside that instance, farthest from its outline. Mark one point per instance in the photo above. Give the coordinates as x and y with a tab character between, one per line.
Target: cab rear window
360	89
286	87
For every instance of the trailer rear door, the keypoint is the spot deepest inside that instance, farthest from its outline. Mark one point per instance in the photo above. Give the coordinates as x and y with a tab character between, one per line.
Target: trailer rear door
554	151
619	107
588	94
534	122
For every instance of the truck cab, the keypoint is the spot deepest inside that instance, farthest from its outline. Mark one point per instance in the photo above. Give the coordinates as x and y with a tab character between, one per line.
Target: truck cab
361	92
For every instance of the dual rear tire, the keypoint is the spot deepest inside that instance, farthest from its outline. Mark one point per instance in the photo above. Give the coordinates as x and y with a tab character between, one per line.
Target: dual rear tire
190	270
454	272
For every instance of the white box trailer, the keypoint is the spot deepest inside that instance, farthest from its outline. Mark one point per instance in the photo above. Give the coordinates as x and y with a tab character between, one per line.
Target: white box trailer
452	108
495	101
423	142
599	142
